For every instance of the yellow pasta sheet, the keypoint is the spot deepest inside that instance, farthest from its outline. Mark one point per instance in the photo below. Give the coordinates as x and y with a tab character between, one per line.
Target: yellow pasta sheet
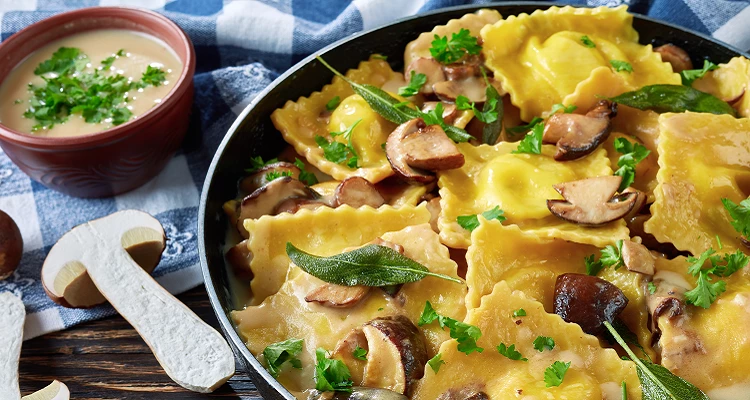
520	184
542	60
730	82
595	373
703	158
287	315
710	348
301	121
531	265
323	231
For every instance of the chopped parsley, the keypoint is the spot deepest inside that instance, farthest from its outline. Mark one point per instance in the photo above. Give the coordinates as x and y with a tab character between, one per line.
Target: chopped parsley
555	373
278	353
449	51
331	375
257	163
632	154
543	342
651	287
471	222
519	313
621	66
378	57
72	87
107	62
707	290
466	335
308	178
565	109
333	103
488	117
691	75
338	152
434	116
524	128
532	142
436	362
276	175
511	352
611	256
740	214
416	81
360	354
587	42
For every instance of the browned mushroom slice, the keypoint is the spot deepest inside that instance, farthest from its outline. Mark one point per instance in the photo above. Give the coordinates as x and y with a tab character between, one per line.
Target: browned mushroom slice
578	135
259	178
356	191
396	355
431	149
592	201
640	202
472	88
433	206
470	67
449	110
344	351
396	154
337	296
676	56
588	301
239	257
266	199
637	258
431	68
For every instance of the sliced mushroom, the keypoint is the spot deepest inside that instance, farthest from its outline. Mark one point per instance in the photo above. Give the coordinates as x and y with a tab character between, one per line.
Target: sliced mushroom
430	148
469	67
668	299
578	135
637	258
337	296
433	206
239	257
449	110
640	202
732	101
397	156
470	392
592	201
344	351
472	88
358	393
259	178
428	66
357	192
588	301
266	199
676	56
396	355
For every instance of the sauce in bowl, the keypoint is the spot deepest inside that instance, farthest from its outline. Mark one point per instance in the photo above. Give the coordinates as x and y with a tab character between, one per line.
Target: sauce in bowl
87	83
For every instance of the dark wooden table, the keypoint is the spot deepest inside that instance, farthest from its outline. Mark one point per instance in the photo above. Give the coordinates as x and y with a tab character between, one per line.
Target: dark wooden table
106	359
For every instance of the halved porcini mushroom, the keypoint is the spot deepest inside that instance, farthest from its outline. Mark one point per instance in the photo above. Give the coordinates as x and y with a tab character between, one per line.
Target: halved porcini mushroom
432	69
588	301
415	148
260	177
578	135
356	192
637	258
266	199
676	56
592	201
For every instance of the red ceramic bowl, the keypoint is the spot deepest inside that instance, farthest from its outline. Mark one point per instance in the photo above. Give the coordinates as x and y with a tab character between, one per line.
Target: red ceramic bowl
118	159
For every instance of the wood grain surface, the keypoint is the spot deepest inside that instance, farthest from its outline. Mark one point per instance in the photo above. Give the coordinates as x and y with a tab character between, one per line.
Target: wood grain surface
106	359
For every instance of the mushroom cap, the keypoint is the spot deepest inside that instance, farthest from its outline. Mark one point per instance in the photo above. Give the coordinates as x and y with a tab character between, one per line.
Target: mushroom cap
588	301
266	199
676	56
11	245
257	179
54	391
337	296
592	201
397	157
575	135
357	192
431	149
68	284
239	257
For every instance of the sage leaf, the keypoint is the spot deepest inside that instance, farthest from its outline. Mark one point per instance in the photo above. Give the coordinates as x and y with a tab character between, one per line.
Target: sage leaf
657	382
491	131
371	265
386	105
673	98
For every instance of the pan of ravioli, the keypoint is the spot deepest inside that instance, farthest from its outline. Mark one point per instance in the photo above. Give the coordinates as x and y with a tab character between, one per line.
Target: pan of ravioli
519	203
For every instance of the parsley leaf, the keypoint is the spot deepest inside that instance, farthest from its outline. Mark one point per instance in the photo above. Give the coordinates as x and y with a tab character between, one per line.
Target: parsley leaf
331	375
488	117
621	66
696	264
565	109
278	353
434	116
450	51
153	76
436	362
611	256
276	175
593	266
62	61
257	163
706	292
338	152
305	176
555	373
732	263
360	354
587	42
107	62
333	103
511	352
524	128
690	75
519	313
532	142
466	335
651	287
471	222
632	154
544	342
740	214
416	81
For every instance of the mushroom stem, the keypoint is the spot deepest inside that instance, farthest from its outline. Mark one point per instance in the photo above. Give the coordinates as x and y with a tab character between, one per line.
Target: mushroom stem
12	317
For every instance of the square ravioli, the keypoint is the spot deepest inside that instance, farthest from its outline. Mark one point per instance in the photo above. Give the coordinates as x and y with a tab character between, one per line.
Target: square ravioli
520	184
730	83
702	159
286	314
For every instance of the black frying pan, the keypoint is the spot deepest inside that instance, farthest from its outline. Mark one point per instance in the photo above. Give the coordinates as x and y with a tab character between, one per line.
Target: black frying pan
253	134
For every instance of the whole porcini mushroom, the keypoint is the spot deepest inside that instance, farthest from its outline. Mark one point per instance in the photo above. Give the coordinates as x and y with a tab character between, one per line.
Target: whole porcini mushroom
588	301
191	352
11	245
577	135
12	317
54	391
415	148
592	201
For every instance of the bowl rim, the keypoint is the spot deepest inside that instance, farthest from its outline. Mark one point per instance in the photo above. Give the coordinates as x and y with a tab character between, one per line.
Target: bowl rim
226	325
115	133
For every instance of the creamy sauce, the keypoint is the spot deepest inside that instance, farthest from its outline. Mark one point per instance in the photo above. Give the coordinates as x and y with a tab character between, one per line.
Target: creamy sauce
740	391
141	50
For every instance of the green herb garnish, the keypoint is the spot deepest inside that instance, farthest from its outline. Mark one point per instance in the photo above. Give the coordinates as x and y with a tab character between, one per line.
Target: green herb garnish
651	287
305	176
493	105
510	352
331	375
416	81
333	103
522	129
611	256
449	51
436	362
562	107
471	222
555	373
107	62
706	292
337	152
519	313
532	142
621	66
276	175
587	42
543	342
360	354
278	353
673	98
466	335
691	75
463	103
632	154
740	214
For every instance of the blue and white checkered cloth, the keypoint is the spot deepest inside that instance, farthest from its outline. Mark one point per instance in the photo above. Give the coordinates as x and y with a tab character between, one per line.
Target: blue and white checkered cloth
241	47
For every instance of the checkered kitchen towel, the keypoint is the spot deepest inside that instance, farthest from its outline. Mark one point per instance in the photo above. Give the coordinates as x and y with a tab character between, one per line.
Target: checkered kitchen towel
242	46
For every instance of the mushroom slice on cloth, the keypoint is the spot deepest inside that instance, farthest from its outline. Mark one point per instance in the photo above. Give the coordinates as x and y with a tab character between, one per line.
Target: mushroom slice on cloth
592	201
266	199
12	317
54	391
588	301
357	192
415	148
578	135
